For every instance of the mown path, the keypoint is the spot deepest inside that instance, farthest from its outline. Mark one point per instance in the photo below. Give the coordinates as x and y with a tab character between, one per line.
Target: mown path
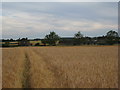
26	71
43	74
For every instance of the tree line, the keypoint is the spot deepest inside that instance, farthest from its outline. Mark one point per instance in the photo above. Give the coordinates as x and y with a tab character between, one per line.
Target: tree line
110	38
53	39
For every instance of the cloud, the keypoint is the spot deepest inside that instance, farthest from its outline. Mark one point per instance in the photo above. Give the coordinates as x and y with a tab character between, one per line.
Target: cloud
31	19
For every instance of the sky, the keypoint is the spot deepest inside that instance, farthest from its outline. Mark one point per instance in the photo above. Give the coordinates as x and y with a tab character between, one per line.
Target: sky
36	19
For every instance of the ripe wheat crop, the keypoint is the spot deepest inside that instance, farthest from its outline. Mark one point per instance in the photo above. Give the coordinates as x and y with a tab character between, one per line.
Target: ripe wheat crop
60	67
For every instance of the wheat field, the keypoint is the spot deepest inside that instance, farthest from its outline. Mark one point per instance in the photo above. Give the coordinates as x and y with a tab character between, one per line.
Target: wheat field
60	67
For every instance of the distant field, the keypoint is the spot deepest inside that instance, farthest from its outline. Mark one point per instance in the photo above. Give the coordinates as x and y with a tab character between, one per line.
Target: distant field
60	67
15	43
35	42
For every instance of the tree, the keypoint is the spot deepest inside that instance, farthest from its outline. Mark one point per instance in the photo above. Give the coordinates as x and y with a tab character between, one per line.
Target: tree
11	39
112	33
78	35
78	38
51	39
112	37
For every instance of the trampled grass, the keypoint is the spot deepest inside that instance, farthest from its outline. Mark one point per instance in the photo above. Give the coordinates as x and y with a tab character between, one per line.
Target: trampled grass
60	67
